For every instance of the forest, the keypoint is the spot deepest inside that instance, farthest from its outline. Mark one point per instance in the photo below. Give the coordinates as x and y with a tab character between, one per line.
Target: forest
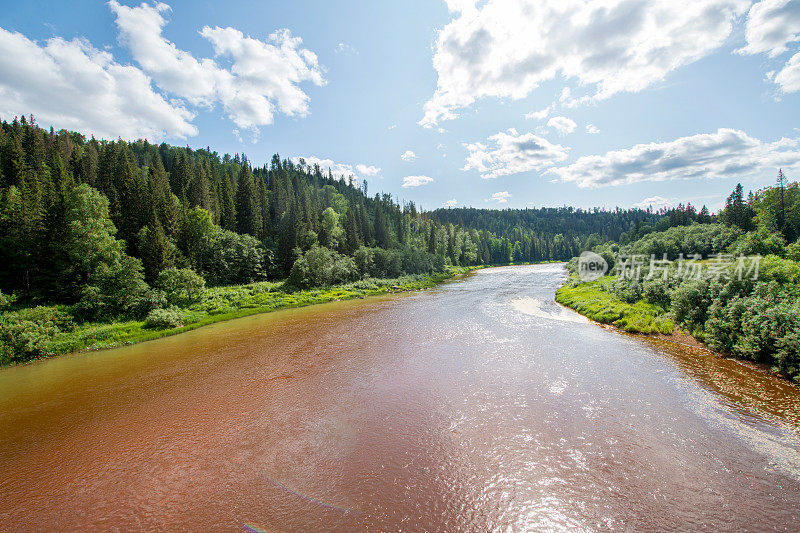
100	232
752	313
105	242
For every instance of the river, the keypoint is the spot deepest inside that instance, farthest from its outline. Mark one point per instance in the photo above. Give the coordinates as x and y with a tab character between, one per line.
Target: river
480	404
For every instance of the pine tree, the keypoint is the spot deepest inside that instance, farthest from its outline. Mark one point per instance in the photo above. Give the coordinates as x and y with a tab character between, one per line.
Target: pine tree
248	213
781	181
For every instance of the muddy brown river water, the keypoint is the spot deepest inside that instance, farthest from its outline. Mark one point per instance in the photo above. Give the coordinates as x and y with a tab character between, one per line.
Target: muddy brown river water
478	405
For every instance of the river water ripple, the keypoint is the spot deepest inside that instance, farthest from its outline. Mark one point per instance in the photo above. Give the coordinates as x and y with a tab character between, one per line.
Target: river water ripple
478	405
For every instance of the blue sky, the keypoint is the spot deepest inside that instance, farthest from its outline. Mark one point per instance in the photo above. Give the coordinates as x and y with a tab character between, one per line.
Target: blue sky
639	103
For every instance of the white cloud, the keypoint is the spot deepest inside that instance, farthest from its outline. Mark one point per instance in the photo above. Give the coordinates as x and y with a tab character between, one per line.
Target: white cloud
263	78
512	153
507	48
338	169
416	181
771	25
71	84
450	203
408	155
344	48
391	127
656	202
500	197
365	170
591	129
562	125
726	153
539	115
789	77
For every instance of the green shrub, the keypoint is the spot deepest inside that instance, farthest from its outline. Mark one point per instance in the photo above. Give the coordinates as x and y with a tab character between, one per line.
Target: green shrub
29	333
322	267
171	317
656	291
181	286
6	300
793	251
760	242
235	258
690	303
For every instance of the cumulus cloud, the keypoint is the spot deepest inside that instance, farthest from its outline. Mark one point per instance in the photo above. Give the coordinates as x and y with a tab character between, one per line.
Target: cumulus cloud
727	153
507	48
562	125
262	80
450	203
539	115
789	76
771	26
416	181
365	170
656	202
408	155
591	129
500	197
71	84
511	152
338	170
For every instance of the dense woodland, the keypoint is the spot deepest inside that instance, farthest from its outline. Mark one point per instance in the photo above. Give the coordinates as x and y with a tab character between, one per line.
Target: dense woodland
101	231
82	220
756	317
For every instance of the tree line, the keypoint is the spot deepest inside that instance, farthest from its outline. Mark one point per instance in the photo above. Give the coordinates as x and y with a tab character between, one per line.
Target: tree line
95	223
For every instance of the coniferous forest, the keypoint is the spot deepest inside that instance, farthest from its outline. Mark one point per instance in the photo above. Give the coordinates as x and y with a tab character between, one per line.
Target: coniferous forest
96	231
92	223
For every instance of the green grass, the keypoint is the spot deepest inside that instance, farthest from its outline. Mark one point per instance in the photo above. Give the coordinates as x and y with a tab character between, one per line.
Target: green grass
593	301
226	303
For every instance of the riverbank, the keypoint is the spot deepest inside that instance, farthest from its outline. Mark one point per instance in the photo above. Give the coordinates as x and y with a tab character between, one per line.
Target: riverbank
594	301
227	303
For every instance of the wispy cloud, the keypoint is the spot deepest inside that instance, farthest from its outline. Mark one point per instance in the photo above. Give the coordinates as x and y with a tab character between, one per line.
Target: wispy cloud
724	154
500	197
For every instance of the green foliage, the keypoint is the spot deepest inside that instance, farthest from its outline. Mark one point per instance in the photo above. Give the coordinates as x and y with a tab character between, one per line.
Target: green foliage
320	267
759	242
197	236
28	333
181	286
596	302
657	292
690	303
331	231
6	300
793	251
704	239
235	258
784	271
107	281
171	317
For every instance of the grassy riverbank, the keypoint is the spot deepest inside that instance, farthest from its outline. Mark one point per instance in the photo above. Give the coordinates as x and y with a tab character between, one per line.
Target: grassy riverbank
596	302
224	303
